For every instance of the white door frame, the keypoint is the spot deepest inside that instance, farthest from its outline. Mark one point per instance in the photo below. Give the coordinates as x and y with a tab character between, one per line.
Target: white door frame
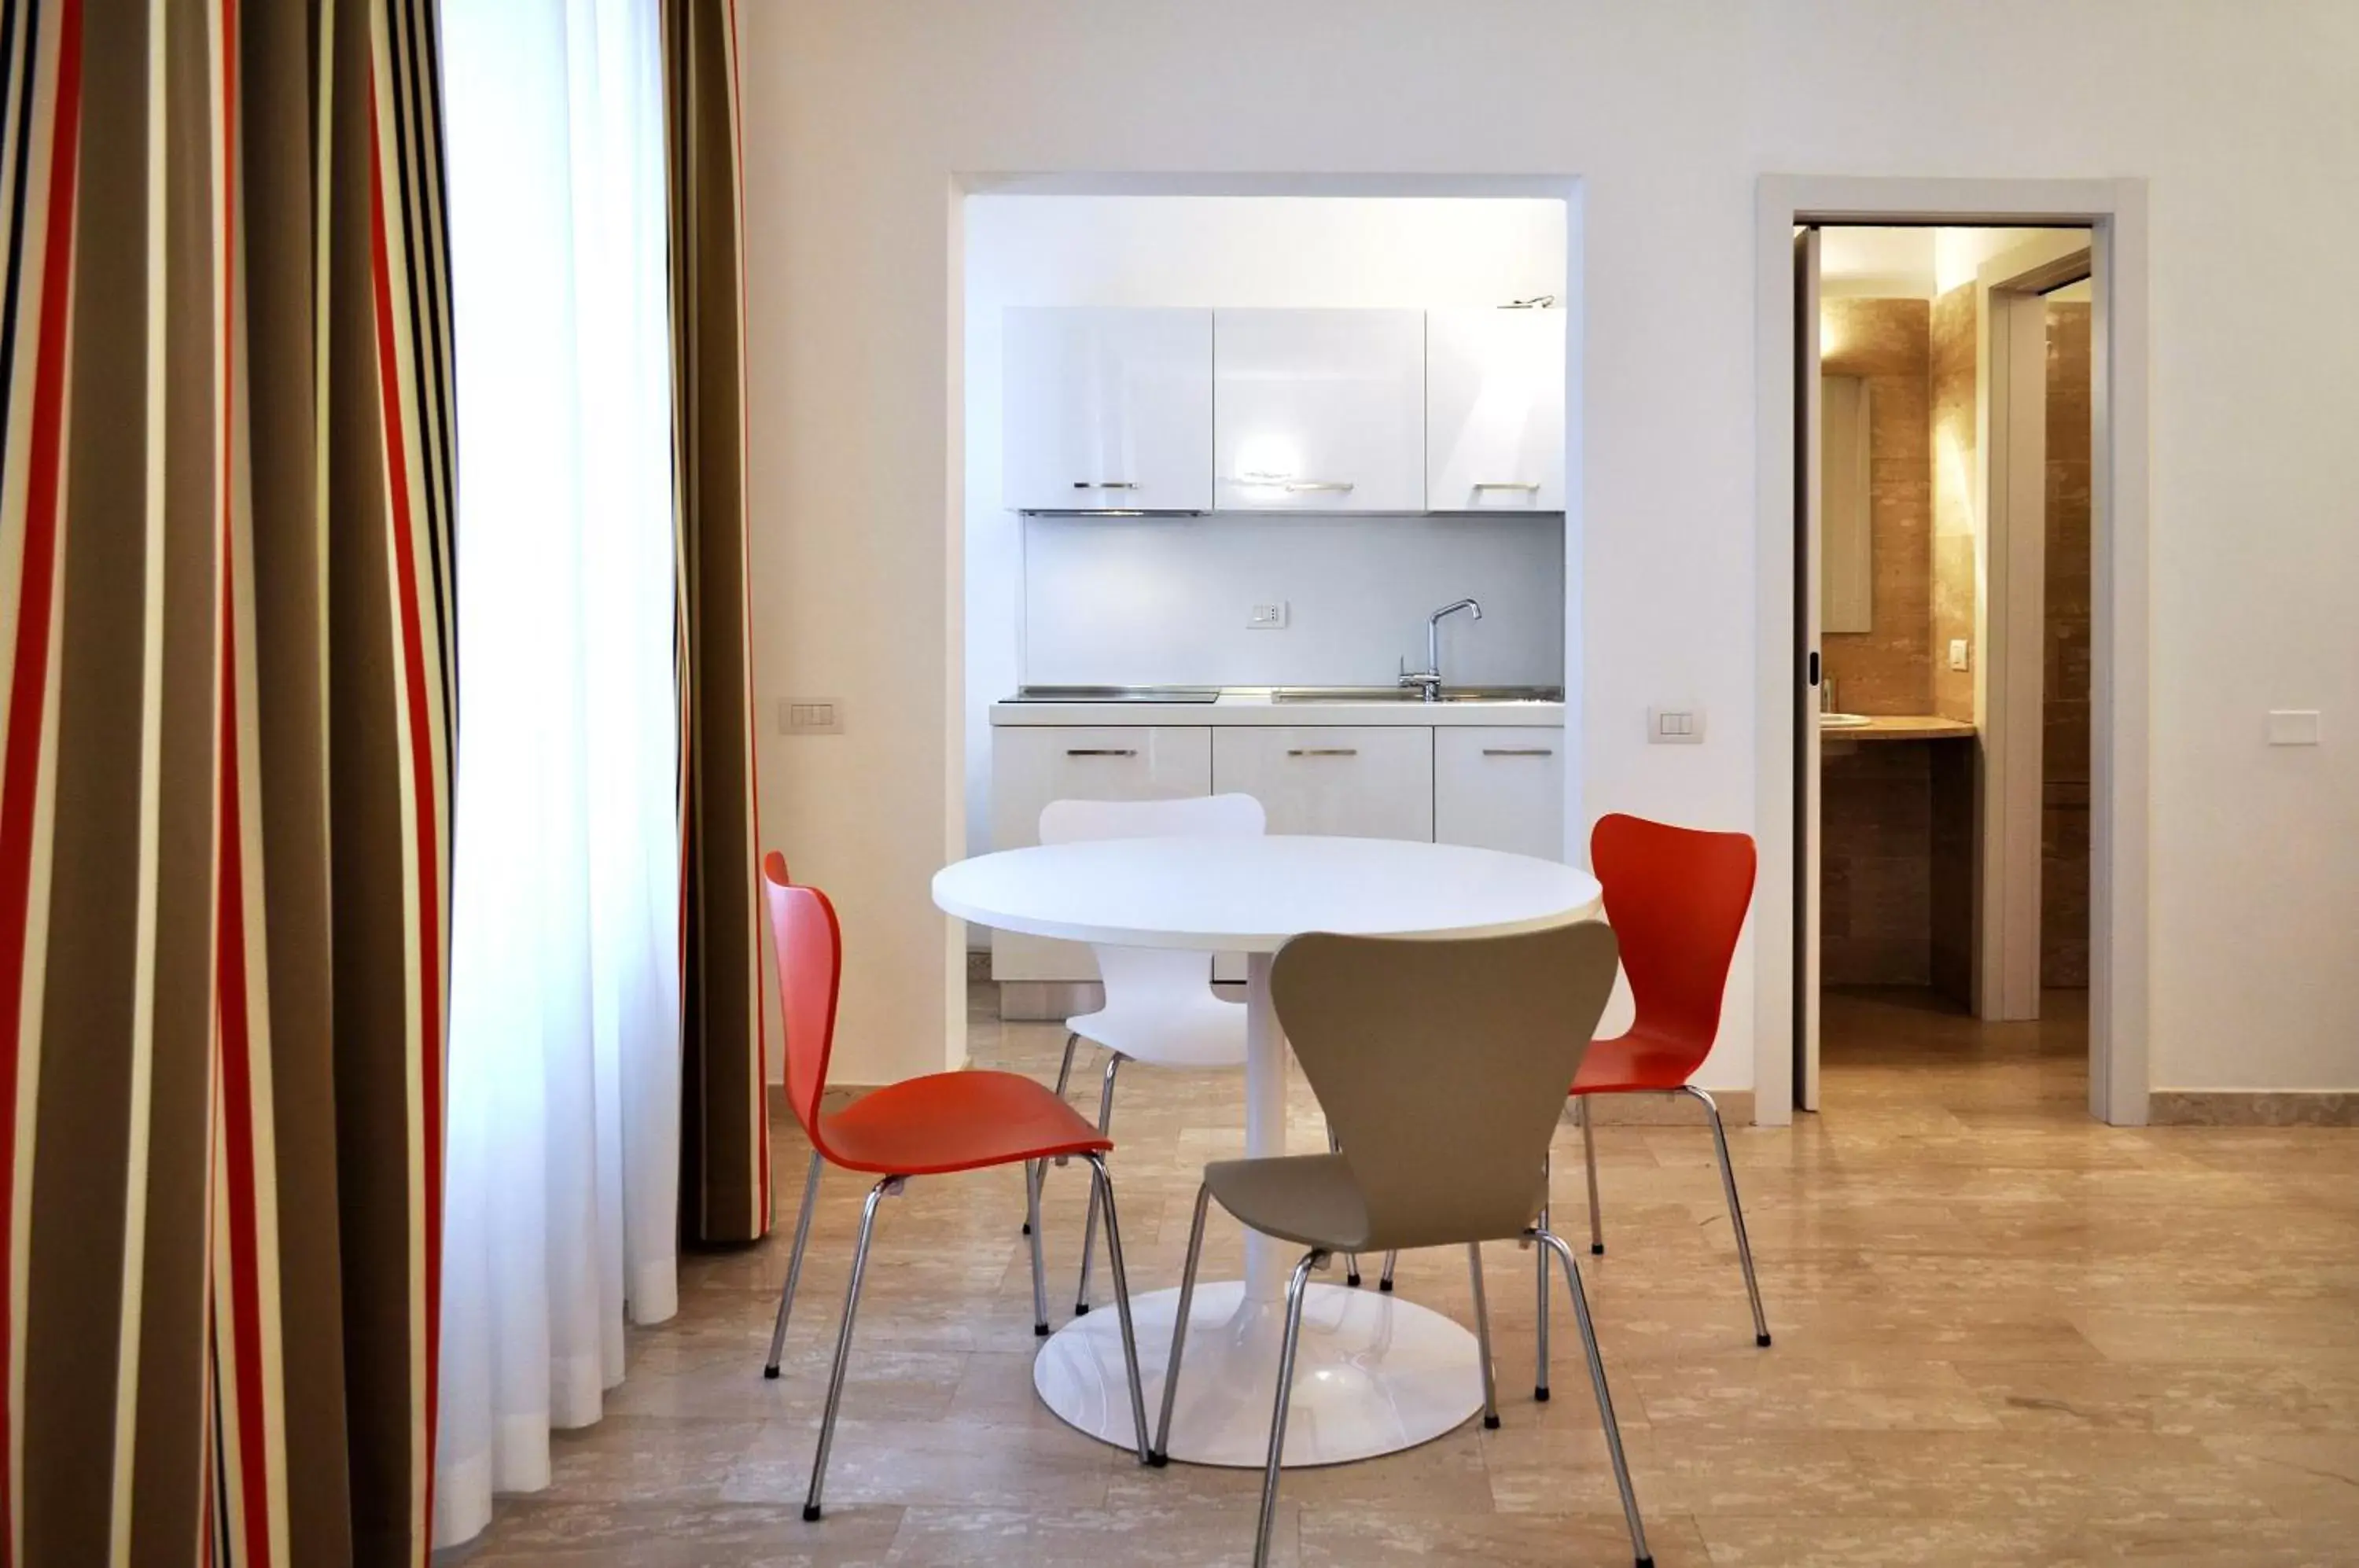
2114	212
2011	613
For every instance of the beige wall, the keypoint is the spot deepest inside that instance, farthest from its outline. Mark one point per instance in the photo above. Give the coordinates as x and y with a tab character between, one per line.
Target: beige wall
2065	684
1887	668
1957	326
861	117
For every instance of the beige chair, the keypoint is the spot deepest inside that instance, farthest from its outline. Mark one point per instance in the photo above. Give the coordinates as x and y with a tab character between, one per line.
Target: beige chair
1442	1065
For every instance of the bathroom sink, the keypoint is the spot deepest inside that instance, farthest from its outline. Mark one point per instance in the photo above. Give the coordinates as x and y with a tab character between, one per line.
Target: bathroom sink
1844	721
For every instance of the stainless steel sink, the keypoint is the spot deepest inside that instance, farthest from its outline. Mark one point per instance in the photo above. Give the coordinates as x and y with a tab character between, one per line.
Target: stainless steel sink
1408	694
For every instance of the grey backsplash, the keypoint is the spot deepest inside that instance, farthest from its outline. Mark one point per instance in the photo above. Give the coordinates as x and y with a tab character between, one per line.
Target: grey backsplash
1159	600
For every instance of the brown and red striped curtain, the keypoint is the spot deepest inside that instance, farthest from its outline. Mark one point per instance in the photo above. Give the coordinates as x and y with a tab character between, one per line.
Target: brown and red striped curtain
724	1143
225	756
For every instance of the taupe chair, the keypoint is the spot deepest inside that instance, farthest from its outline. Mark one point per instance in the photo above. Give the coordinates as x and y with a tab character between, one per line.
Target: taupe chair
1442	1066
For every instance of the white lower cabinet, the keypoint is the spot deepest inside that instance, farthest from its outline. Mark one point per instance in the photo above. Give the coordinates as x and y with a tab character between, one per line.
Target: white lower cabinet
1033	765
1357	783
1500	789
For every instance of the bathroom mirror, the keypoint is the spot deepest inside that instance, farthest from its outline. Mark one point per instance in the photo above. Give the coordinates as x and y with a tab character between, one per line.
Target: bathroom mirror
1846	574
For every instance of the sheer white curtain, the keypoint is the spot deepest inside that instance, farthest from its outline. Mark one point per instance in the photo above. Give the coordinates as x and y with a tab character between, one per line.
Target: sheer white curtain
564	1163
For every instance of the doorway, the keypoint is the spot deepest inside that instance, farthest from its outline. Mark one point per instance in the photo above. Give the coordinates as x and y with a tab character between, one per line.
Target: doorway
1940	792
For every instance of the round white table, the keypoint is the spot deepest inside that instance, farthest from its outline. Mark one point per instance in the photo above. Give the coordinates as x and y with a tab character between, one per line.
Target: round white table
1373	1373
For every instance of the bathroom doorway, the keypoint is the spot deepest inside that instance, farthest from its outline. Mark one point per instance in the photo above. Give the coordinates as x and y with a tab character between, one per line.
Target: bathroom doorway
1943	584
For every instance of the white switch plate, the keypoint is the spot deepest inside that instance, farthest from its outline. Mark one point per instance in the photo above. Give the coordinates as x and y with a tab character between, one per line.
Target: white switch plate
1675	727
1267	617
2293	726
810	715
1958	653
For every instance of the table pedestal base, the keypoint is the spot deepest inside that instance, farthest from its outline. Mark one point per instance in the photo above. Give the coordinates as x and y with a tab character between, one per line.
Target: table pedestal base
1373	1375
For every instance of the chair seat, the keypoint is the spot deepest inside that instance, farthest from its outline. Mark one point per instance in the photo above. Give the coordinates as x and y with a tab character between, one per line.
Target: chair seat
1635	1062
1204	1033
956	1121
1314	1199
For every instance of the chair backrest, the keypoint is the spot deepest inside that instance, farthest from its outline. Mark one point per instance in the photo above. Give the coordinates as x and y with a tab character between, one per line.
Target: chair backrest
1147	978
810	948
1203	816
1443	1066
1677	898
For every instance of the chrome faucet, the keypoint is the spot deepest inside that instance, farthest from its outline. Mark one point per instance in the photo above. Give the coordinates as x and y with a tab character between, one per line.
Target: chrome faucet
1429	679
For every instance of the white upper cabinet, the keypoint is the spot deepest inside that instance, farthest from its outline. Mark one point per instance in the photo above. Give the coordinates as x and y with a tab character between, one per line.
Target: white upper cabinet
1495	411
1107	409
1319	410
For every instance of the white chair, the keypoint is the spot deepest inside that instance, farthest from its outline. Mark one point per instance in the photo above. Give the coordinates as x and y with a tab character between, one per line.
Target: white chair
1160	1002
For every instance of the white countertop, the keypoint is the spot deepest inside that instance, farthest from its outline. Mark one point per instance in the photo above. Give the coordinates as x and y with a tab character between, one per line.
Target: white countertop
1252	706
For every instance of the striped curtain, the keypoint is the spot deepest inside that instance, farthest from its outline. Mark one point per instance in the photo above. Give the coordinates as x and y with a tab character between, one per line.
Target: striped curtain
226	723
724	1142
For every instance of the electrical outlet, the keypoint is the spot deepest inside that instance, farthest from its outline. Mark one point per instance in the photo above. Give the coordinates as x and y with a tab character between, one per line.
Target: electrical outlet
1675	727
1958	660
810	715
1267	617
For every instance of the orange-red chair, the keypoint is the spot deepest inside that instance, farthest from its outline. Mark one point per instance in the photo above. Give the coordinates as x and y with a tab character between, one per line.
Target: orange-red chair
934	1125
1676	899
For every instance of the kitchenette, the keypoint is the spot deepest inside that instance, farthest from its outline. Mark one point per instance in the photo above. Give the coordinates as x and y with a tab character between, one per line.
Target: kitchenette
1310	553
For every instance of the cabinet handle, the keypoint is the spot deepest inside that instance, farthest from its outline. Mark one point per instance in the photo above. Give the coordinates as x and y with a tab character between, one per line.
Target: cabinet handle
1100	751
1508	484
1292	487
1104	485
1322	751
1519	751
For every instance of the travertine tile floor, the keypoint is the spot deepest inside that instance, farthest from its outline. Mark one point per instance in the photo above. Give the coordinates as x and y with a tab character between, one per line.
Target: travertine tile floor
2004	1335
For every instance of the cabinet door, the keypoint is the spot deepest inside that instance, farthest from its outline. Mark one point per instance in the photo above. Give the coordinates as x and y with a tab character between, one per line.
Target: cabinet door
1495	411
1360	783
1033	765
1107	409
1319	410
1500	789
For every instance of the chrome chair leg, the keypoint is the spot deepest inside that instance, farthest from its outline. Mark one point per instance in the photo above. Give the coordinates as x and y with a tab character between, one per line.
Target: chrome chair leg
1384	1280
1482	1337
1735	1211
1033	1172
1540	1290
1104	1185
1039	1168
1296	1291
1350	1259
1161	1454
1589	1158
876	1194
1090	1230
1553	1243
794	1265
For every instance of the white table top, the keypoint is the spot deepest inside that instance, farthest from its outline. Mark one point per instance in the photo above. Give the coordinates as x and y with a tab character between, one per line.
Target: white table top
1254	895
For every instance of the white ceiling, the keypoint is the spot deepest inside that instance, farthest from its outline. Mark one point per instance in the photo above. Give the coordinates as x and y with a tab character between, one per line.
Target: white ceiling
1907	264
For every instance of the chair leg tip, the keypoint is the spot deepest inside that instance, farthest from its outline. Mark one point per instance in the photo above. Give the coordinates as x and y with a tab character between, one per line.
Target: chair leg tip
810	1513
770	1372
1490	1424
1541	1394
1596	1249
1761	1339
1080	1308
1646	1562
1386	1286
1027	1228
1040	1331
1158	1459
1353	1280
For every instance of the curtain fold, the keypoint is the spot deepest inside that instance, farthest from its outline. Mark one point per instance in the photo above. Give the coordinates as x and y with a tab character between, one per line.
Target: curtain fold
225	525
725	1144
565	1121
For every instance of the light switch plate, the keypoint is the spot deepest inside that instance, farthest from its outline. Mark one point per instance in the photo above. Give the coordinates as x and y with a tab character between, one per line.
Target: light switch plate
810	715
1675	727
2293	726
1958	653
1267	617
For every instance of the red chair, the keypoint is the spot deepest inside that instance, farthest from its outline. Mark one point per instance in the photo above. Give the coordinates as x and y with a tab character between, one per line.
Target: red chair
1676	899
934	1125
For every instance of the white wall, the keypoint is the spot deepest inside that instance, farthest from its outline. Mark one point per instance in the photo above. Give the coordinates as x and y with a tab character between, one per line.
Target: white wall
1213	251
1141	602
861	117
